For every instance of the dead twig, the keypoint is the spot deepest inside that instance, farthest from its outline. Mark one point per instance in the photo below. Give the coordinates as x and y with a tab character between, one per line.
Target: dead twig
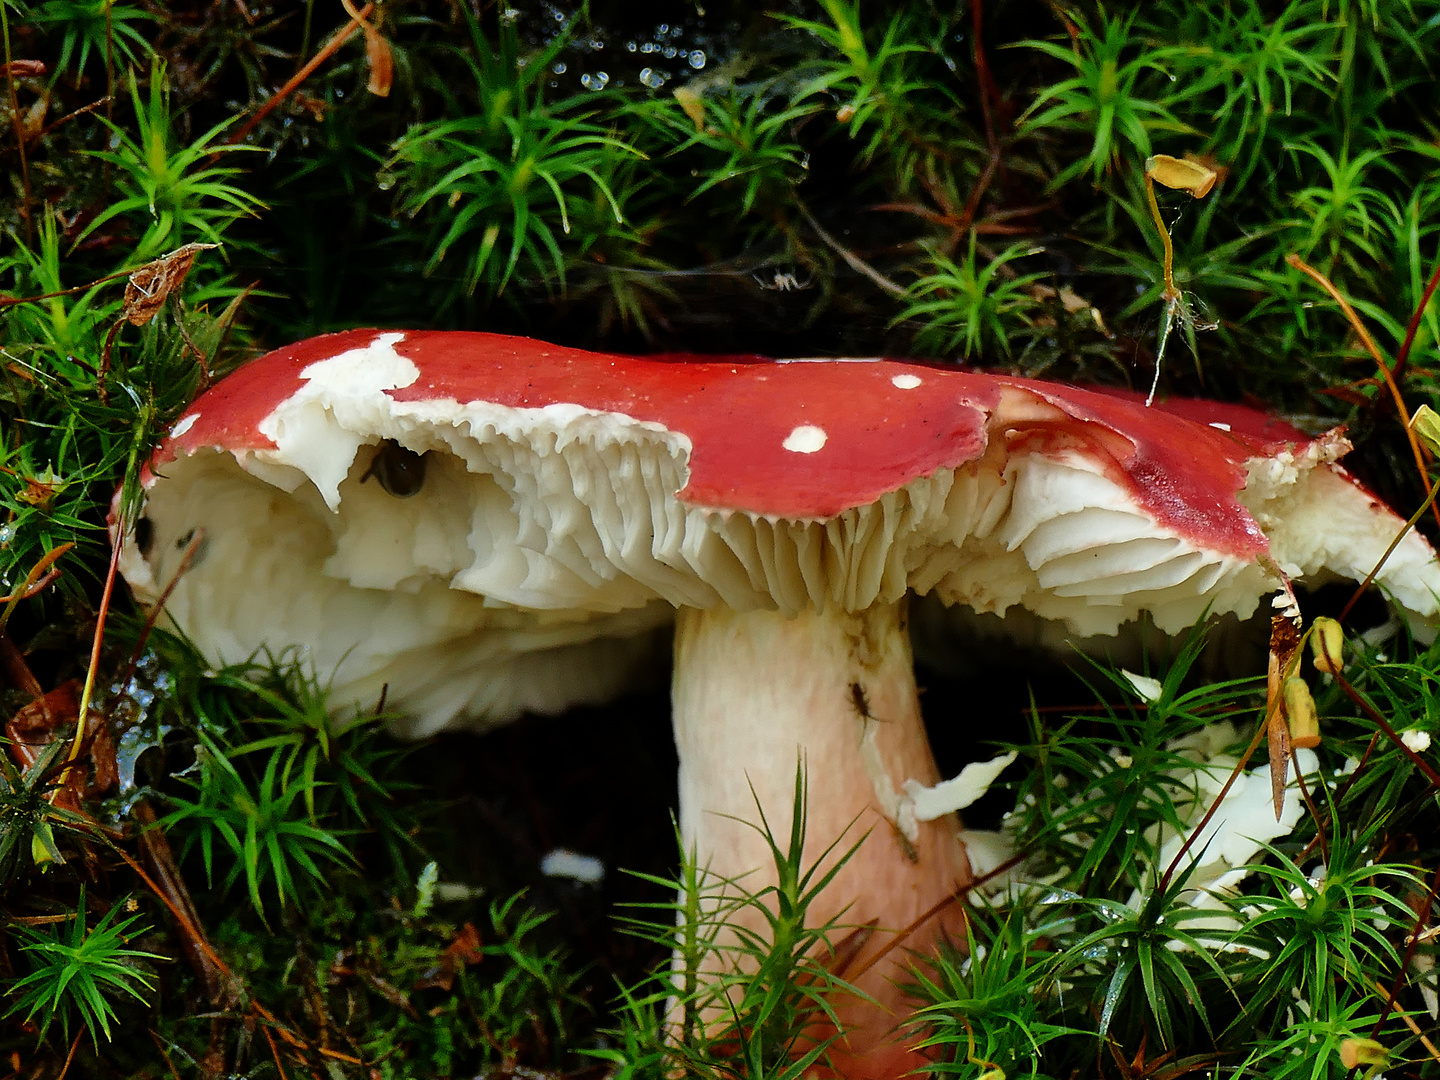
854	261
1385	373
326	51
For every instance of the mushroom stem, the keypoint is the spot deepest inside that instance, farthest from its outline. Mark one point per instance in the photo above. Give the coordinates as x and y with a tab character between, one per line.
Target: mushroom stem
753	692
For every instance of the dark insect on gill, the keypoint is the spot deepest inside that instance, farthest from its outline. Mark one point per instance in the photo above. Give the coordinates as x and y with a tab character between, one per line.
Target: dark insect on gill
400	472
860	701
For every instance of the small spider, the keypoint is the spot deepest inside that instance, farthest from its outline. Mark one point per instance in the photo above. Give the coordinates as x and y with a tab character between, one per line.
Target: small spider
782	281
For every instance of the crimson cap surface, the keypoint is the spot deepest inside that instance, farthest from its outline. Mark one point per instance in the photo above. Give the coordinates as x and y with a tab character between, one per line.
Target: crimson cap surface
570	500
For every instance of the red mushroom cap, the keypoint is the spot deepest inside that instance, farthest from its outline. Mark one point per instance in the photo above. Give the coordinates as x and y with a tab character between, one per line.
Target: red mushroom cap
880	425
814	482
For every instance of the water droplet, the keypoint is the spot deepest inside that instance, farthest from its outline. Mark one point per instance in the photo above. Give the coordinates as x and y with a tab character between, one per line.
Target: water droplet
594	82
509	15
648	47
7	533
697	59
662	29
669	52
385	180
558	16
652	78
559	68
630	46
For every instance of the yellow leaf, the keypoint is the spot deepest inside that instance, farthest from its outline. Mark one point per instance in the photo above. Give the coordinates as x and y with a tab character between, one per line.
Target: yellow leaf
1182	174
1426	425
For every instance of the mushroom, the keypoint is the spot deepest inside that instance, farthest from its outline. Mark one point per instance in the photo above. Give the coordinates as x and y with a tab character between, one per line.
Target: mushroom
488	525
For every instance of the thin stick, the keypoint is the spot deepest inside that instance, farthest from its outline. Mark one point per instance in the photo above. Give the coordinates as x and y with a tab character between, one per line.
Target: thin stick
1374	351
70	1056
1171	292
1403	355
1380	722
274	1051
19	127
9	301
89	690
1411	942
32	591
854	261
186	558
199	938
328	50
37	571
48	128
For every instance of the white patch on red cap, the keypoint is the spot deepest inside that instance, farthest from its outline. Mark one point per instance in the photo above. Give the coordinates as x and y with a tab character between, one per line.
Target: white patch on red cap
356	371
905	382
805	439
319	428
185	424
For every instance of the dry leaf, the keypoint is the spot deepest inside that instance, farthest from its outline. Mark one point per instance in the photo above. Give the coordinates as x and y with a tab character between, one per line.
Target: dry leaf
377	54
694	107
1182	174
464	950
151	285
382	64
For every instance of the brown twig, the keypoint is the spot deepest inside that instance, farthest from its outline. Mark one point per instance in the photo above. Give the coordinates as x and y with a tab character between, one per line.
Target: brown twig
10	301
989	99
1260	732
1310	805
1403	356
989	92
19	126
89	691
274	1052
155	1038
326	51
1389	732
186	558
854	261
1394	991
1365	339
70	1056
34	590
48	128
39	570
155	848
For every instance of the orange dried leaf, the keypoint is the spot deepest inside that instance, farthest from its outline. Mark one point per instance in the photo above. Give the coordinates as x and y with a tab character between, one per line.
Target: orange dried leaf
382	63
151	285
1277	735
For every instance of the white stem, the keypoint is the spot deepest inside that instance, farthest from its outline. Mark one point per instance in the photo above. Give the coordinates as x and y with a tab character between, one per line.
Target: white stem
754	693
